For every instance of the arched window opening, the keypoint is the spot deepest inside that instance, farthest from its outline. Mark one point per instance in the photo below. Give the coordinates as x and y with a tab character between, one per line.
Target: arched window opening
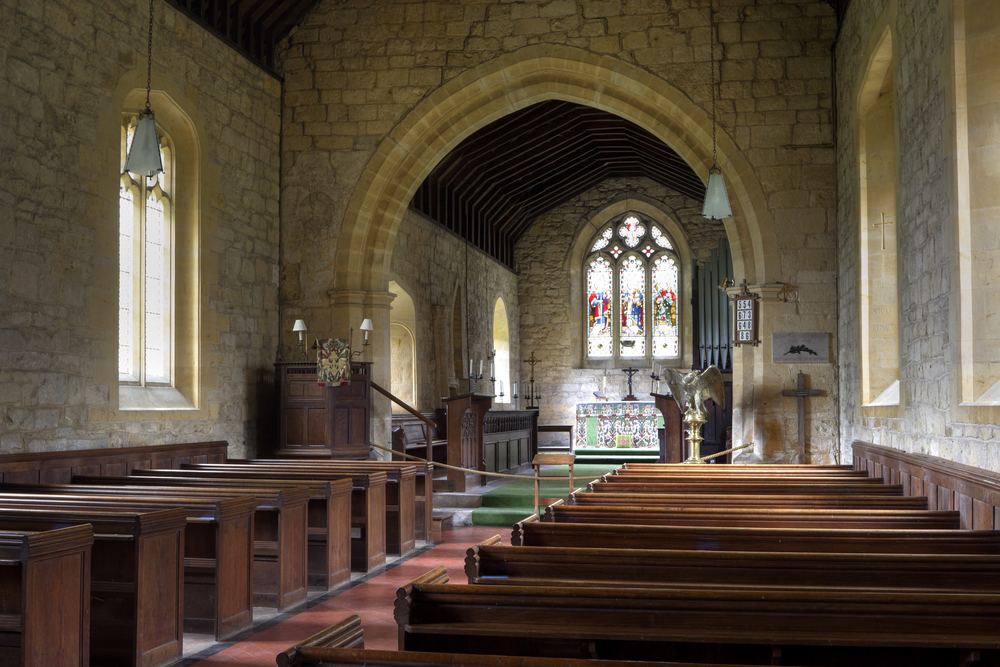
145	280
402	348
878	230
501	348
632	271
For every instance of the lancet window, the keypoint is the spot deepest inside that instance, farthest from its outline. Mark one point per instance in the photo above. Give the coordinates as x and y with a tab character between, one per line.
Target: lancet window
631	284
145	261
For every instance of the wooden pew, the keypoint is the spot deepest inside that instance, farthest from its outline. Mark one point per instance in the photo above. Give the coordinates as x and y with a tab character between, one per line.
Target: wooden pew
423	508
489	562
753	517
807	626
532	532
786	469
723	500
400	496
280	527
136	580
619	484
342	645
218	551
368	511
45	597
329	524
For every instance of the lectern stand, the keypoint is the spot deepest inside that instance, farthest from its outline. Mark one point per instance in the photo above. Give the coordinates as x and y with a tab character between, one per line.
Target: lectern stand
465	439
672	447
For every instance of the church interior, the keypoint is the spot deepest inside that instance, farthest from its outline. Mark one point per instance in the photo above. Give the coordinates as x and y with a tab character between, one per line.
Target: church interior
407	247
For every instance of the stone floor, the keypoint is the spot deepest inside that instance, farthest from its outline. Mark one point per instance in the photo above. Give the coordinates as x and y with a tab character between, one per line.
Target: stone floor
370	596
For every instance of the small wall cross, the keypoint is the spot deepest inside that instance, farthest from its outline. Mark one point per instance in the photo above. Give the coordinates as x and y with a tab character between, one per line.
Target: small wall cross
800	392
882	226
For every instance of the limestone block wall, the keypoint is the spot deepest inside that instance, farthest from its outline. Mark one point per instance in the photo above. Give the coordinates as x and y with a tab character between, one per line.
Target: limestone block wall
433	266
355	69
931	421
61	64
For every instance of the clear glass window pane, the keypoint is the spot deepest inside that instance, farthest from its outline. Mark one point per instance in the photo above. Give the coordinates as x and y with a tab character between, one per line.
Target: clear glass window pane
632	290
665	340
155	296
126	260
599	327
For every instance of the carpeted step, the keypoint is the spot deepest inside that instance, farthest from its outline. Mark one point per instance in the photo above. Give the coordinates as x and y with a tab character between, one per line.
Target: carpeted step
500	517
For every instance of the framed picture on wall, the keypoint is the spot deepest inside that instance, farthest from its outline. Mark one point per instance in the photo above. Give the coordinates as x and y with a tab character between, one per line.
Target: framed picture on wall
812	347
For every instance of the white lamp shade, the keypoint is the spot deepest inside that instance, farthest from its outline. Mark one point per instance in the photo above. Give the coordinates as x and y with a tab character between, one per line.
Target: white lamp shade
144	158
716	198
367	325
300	325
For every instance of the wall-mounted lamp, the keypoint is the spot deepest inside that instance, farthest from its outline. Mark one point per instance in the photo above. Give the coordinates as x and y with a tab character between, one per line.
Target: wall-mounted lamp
300	327
366	326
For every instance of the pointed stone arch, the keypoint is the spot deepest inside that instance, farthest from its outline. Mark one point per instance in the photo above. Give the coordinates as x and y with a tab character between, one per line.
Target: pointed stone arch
516	80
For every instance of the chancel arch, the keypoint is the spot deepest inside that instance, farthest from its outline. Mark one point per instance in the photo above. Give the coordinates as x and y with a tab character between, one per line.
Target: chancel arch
878	231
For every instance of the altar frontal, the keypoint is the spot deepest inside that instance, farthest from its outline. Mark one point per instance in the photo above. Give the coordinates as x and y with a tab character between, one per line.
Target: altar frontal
613	425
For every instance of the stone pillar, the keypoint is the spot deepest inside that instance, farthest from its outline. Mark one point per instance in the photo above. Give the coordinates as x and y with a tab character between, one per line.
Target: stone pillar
349	308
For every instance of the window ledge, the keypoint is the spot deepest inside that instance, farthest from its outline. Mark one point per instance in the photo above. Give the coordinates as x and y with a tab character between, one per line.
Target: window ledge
888	398
990	398
152	398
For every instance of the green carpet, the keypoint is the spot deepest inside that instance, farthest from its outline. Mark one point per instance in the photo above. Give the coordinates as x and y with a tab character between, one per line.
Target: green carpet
513	502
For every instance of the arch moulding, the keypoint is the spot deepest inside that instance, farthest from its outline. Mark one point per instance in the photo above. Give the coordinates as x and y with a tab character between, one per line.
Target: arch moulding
519	79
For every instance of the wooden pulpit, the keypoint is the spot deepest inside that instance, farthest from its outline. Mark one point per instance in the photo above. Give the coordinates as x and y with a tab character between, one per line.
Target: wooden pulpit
672	447
466	414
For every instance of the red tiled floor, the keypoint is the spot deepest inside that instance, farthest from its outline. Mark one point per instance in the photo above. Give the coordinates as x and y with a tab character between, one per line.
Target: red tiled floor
371	600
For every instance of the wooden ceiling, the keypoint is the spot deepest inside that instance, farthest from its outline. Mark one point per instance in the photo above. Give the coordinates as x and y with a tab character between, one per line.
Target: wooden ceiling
252	27
491	187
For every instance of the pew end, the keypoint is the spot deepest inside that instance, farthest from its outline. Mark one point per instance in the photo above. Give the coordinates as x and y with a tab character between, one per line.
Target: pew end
347	634
472	556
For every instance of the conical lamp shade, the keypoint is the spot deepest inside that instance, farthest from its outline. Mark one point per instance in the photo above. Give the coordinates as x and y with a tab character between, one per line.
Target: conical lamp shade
144	158
716	198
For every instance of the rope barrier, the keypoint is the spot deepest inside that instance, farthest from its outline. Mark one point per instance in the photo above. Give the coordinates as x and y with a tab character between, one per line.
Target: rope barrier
445	465
725	451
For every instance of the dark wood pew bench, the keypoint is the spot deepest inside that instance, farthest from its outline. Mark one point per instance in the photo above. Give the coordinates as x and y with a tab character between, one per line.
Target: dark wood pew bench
329	523
218	551
489	562
805	626
400	492
45	597
622	484
136	581
759	501
753	517
342	645
423	508
368	494
409	435
767	469
532	532
280	528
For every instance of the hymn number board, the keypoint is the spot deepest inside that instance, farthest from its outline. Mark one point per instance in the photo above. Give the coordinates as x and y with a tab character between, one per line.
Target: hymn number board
746	316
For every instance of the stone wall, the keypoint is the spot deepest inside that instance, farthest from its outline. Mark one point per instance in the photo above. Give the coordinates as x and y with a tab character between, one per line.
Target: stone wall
431	264
61	64
930	420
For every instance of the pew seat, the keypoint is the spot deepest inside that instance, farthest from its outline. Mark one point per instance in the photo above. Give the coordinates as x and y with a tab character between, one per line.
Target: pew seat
832	501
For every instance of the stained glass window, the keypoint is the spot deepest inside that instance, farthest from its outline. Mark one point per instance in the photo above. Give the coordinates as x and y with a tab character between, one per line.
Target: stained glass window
144	280
632	290
603	241
628	267
664	307
632	231
600	333
659	238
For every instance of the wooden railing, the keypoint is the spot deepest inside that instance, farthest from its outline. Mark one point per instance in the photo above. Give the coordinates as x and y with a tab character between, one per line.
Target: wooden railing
398	401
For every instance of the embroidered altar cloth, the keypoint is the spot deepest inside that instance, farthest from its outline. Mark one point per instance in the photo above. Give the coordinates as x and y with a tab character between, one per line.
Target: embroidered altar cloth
624	424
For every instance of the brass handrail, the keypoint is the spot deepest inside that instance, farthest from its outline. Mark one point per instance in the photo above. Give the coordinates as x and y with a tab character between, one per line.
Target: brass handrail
398	401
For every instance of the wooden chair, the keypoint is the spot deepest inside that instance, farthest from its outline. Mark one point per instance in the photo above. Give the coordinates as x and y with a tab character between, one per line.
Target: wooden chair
551	460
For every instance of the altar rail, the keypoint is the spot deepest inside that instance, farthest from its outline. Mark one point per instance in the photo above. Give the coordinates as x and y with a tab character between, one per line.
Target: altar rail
510	439
973	492
59	467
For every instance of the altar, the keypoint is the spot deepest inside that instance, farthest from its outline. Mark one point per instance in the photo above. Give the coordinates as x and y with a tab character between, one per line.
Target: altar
613	425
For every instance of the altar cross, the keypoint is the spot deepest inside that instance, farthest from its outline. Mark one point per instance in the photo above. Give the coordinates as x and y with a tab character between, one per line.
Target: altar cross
630	372
532	361
882	226
801	392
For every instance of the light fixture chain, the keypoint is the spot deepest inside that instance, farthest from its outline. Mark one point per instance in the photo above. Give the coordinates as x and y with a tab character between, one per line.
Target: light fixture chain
149	55
711	22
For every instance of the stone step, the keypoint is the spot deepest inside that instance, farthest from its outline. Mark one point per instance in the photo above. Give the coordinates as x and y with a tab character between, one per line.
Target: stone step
442	518
457	500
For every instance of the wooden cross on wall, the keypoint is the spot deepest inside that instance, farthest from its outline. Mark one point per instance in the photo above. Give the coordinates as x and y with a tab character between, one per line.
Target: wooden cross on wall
801	392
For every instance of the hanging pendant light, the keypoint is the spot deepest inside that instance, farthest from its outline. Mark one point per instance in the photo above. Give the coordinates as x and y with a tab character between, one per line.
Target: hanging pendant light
716	198
144	155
